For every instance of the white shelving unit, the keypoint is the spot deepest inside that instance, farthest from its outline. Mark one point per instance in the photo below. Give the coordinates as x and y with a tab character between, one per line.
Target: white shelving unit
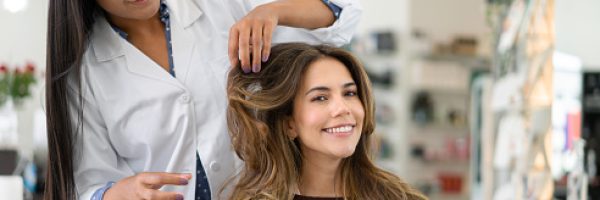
401	17
445	144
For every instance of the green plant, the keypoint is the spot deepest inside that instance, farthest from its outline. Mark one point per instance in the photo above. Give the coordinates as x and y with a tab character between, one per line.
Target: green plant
16	85
21	83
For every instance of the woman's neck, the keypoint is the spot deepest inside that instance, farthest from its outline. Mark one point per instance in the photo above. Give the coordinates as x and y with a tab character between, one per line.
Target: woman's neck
320	176
136	28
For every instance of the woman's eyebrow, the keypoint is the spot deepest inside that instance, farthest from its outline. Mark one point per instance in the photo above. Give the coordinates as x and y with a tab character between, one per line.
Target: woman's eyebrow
349	84
317	88
326	89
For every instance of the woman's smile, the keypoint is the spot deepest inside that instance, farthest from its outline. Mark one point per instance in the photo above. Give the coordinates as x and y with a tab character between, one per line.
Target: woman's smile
344	130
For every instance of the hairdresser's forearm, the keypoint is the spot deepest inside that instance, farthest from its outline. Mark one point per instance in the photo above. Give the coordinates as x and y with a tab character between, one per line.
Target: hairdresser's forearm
309	14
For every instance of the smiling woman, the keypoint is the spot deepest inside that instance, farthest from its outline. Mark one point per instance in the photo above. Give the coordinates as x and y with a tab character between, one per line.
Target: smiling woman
303	124
328	115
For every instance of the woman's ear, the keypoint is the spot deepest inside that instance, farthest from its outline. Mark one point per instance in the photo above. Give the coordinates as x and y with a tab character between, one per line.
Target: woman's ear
291	127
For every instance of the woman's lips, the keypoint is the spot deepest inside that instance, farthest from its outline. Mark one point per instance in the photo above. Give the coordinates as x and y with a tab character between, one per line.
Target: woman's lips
137	2
340	131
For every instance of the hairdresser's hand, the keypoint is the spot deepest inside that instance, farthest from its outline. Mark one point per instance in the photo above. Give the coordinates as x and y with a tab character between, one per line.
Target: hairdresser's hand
250	38
145	186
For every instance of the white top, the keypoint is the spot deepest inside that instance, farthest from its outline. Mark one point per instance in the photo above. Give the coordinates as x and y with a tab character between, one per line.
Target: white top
139	118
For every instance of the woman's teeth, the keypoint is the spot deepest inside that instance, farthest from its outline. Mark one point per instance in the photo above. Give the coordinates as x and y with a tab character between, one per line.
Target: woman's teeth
338	129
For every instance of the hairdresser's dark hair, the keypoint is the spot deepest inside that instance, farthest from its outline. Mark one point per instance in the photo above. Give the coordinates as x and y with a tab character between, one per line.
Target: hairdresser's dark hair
69	27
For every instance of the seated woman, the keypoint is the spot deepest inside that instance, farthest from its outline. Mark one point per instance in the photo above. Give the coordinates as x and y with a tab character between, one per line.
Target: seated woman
303	127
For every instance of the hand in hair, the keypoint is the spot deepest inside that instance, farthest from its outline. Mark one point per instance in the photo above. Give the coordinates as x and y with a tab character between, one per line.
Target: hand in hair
250	38
145	186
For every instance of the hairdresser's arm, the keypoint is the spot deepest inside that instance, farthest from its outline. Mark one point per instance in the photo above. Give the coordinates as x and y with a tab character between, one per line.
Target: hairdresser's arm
97	166
251	37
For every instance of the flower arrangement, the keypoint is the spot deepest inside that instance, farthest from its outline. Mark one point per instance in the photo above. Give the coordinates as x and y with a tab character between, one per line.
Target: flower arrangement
16	85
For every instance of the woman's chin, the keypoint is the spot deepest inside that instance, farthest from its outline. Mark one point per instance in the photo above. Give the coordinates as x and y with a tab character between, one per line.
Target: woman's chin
344	152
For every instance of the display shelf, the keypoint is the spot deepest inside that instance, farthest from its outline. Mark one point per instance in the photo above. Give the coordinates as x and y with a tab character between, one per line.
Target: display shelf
473	62
439	146
455	165
441	91
441	128
434	179
524	41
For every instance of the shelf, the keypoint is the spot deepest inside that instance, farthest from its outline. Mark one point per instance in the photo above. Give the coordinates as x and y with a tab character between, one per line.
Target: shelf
449	162
439	129
442	91
431	169
473	62
438	126
446	196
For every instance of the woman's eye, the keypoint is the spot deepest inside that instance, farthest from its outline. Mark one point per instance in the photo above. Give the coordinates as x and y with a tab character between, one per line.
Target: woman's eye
319	98
350	93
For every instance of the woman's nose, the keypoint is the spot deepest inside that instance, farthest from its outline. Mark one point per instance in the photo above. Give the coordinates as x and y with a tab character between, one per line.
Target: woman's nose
340	107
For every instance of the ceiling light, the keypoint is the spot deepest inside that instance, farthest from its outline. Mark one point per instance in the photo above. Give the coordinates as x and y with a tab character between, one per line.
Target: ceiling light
14	6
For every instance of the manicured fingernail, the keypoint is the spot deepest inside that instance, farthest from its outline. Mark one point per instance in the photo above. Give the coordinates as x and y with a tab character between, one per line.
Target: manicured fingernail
179	197
246	69
256	68
183	181
265	58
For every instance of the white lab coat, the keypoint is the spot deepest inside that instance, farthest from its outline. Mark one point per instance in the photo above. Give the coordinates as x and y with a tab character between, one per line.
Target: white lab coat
138	118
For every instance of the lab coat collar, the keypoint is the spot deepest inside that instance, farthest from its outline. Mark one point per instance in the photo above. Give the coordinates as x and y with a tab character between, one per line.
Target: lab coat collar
138	63
183	44
105	41
187	11
108	45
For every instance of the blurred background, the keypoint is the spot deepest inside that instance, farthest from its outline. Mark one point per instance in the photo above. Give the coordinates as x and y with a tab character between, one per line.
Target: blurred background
475	99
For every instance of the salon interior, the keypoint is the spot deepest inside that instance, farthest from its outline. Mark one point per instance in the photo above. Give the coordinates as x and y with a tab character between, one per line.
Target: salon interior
475	99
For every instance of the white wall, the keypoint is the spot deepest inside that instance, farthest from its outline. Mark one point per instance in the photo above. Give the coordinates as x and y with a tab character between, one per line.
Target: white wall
23	39
578	30
23	36
443	19
384	15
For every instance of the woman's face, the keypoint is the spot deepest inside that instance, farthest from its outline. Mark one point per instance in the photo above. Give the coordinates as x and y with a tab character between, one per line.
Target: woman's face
328	114
130	9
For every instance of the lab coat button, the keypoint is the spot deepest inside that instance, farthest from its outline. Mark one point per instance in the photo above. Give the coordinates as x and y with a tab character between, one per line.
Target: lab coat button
185	98
215	166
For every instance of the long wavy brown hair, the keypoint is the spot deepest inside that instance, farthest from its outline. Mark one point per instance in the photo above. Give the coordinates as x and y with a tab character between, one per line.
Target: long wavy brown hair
260	105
